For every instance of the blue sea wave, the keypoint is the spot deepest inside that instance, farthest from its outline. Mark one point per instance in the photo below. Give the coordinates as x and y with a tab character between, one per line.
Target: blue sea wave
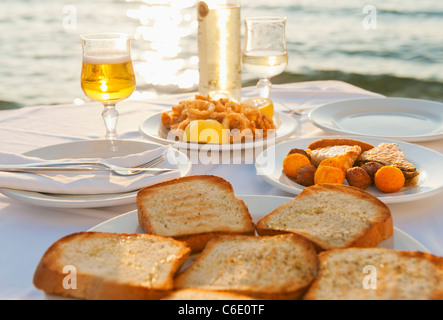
41	53
385	84
418	13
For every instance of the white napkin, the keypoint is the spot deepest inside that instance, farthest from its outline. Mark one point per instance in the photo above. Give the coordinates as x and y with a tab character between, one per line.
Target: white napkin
96	182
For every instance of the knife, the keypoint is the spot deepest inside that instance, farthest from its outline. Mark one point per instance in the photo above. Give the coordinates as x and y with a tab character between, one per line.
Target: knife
32	169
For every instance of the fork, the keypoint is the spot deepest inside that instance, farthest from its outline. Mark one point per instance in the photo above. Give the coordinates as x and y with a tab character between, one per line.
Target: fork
71	166
298	111
138	169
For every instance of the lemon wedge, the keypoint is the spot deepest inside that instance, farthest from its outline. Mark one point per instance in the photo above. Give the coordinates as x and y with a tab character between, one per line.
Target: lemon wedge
206	131
264	105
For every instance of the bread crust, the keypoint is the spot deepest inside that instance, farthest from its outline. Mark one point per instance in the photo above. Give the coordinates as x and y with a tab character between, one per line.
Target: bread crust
325	273
49	274
327	142
213	179
380	229
202	294
196	241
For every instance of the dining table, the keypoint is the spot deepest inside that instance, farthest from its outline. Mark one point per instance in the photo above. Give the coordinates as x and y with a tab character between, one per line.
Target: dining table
27	229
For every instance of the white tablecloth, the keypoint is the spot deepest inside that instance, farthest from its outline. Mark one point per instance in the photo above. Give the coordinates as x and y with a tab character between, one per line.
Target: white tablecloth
27	231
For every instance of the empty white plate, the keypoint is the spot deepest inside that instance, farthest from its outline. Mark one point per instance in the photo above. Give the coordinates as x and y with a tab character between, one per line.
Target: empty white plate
394	118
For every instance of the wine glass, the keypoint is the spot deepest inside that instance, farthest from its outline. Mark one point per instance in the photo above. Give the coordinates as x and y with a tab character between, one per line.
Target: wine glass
107	73
264	51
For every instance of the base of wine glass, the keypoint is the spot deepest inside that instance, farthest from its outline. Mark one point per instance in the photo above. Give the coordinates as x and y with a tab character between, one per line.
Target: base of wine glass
264	87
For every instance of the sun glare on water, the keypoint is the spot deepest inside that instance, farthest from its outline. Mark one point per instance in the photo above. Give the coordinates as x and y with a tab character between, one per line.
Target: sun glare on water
166	56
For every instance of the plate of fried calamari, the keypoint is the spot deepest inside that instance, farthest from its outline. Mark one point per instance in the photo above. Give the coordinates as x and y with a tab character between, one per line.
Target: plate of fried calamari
217	125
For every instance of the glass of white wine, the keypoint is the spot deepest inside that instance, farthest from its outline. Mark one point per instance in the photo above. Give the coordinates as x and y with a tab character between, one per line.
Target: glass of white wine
107	73
219	48
264	52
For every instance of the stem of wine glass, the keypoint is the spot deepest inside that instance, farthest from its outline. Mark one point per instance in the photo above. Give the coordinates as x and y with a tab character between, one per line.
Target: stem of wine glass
110	116
264	87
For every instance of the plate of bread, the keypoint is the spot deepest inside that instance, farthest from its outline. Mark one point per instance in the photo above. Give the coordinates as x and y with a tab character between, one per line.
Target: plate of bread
219	125
192	238
393	171
402	119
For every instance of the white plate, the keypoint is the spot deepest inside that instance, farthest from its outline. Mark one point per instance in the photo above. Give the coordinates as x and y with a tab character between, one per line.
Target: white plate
268	165
153	129
89	149
393	118
258	206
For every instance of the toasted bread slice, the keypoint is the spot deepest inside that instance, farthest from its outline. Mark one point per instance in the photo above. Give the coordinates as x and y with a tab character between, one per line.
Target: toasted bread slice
277	267
193	209
377	273
388	154
102	266
201	294
332	216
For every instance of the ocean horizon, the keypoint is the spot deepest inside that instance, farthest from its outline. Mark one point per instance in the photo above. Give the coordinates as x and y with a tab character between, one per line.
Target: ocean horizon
392	48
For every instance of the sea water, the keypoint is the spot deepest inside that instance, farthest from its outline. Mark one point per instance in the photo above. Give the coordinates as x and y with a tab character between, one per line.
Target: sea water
388	46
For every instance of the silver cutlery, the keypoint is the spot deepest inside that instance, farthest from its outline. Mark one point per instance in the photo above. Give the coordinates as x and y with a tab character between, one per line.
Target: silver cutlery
299	110
87	166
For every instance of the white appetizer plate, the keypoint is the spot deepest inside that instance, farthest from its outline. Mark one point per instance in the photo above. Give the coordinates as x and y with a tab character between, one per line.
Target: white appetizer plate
89	149
268	165
152	128
393	118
